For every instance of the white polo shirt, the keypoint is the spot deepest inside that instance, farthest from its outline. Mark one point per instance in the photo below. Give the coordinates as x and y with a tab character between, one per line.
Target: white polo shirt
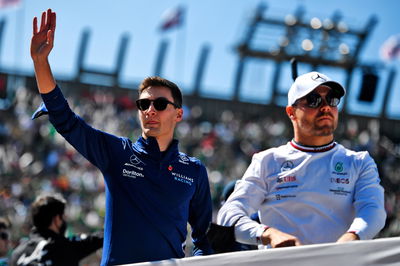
315	194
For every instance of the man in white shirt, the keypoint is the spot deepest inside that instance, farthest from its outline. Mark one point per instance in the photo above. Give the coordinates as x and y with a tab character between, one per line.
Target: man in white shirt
311	190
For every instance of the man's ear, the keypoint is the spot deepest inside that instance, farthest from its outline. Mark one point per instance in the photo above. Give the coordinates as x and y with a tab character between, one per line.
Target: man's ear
55	223
179	115
58	219
290	112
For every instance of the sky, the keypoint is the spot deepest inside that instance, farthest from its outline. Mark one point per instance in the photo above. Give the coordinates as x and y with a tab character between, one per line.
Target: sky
217	23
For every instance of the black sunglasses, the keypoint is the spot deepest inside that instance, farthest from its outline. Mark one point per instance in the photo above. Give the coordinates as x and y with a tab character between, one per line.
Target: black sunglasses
159	104
4	236
314	100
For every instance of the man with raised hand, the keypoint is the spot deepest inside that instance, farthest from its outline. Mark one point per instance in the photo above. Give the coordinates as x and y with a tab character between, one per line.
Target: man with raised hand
152	189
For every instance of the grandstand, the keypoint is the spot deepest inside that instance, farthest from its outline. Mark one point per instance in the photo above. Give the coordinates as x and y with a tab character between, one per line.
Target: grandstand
223	133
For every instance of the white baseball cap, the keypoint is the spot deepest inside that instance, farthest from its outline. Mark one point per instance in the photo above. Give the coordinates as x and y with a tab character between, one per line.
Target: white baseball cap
306	83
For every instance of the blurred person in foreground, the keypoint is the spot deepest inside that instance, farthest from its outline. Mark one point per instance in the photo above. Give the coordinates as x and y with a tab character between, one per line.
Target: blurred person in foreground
152	189
47	244
4	241
311	190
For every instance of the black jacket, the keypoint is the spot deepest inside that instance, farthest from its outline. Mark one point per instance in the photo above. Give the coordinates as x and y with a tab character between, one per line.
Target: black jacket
50	248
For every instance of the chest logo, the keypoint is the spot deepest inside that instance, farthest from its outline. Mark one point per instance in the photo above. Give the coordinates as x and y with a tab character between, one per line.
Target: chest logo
286	166
182	178
135	160
339	167
183	159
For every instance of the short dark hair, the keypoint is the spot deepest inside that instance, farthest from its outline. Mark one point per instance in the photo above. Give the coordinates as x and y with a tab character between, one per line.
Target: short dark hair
162	82
45	208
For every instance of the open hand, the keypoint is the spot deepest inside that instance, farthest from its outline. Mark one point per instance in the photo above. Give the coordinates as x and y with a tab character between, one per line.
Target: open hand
43	38
278	239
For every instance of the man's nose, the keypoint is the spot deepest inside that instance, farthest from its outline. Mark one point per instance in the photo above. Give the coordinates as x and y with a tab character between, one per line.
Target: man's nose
151	110
325	105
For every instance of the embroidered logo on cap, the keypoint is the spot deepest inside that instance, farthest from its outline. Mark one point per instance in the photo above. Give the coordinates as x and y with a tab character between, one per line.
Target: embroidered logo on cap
317	77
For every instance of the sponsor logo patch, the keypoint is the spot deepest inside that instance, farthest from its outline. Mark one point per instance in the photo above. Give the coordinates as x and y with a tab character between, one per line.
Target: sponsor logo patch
131	173
135	162
286	166
340	180
280	197
183	159
340	191
285	179
182	178
283	187
339	169
318	77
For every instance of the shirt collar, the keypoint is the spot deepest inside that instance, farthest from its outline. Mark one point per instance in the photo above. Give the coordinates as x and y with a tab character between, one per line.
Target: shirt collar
322	148
150	147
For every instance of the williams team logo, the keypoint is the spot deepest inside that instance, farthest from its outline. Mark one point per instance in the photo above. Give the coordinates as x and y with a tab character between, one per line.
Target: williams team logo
182	178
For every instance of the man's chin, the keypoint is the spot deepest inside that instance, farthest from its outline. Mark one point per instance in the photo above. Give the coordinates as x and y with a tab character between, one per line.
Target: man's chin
150	133
325	131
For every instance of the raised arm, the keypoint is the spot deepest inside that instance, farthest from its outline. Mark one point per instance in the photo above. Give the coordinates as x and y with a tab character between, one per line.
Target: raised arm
41	46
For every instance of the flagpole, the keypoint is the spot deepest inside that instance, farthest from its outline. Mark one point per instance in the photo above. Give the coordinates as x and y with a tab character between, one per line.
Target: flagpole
180	53
173	18
180	46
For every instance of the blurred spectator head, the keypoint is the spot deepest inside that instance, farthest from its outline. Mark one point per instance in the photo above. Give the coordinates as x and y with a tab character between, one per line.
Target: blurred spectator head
45	208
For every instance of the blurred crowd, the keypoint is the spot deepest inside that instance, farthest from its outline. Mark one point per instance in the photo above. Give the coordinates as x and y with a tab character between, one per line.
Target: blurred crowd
34	158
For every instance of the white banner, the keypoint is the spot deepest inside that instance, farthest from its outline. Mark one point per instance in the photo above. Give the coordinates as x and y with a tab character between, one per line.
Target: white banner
384	251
